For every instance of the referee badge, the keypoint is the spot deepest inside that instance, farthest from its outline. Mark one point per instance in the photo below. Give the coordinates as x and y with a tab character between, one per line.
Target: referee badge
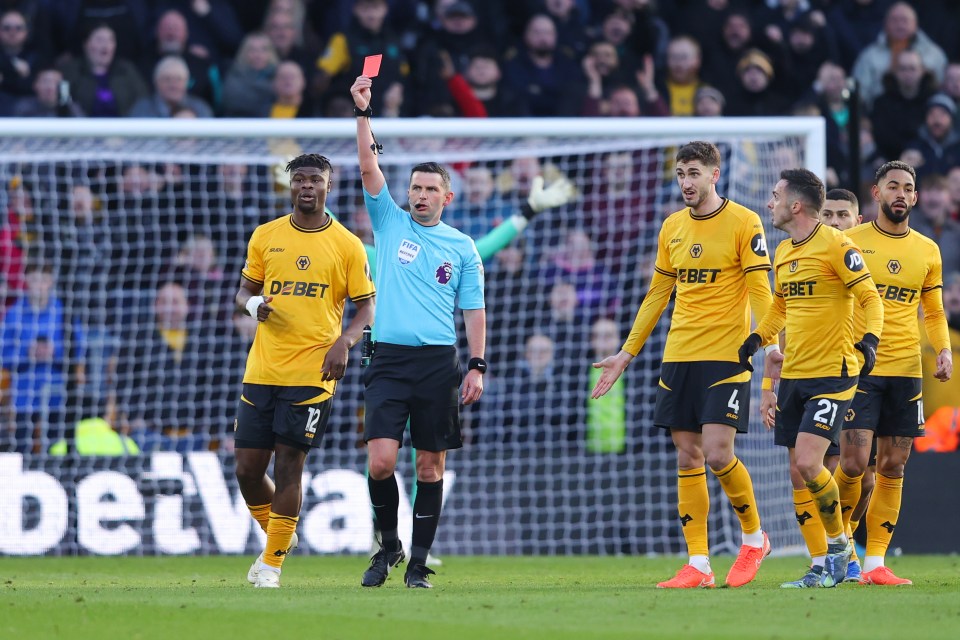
444	273
408	251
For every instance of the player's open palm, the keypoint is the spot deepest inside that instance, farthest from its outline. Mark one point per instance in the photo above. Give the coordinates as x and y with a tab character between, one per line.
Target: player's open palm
613	367
768	408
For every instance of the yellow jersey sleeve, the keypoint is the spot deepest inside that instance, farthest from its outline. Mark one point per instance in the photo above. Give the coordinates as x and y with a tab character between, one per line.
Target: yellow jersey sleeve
336	57
253	267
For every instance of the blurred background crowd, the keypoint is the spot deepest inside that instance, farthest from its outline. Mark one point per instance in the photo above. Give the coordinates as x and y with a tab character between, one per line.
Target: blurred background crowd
884	75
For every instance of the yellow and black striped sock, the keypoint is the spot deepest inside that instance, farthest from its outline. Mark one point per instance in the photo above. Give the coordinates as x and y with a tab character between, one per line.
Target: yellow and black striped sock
260	513
883	513
693	504
849	487
279	534
736	483
826	494
811	528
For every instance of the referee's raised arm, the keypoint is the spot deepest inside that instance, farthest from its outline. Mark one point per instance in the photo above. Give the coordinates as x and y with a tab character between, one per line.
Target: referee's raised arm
370	172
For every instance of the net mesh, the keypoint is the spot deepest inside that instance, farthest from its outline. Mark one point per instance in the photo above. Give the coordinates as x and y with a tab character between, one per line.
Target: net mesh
132	234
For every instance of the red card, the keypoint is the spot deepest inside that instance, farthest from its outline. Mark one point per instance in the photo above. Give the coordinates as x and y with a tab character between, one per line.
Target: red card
371	65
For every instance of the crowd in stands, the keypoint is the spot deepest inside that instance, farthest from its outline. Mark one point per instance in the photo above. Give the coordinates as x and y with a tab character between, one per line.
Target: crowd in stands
441	58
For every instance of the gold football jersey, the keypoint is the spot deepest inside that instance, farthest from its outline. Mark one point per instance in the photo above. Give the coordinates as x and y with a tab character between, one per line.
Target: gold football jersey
708	257
310	273
907	270
813	287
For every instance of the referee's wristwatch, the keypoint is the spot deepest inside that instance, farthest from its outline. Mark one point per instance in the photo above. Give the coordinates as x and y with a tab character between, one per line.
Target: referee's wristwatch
477	363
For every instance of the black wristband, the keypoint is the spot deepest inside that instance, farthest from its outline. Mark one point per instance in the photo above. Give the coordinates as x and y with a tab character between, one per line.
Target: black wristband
477	363
527	211
366	113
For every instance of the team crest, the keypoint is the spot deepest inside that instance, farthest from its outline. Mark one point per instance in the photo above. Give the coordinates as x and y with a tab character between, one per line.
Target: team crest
793	266
303	263
894	266
851	414
696	250
444	273
408	251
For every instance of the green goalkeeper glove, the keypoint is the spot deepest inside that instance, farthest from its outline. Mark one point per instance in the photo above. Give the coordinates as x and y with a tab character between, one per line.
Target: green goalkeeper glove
559	193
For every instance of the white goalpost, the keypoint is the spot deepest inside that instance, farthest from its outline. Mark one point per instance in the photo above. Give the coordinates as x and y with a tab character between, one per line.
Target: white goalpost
122	210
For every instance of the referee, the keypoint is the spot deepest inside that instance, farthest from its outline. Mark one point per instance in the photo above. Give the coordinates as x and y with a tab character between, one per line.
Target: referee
425	269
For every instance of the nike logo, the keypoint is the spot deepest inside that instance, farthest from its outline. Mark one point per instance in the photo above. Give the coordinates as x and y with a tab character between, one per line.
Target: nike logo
378	506
420	517
741	509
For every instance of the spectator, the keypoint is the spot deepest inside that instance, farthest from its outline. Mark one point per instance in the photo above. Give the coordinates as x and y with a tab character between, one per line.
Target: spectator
808	47
458	34
103	85
19	61
708	102
535	415
756	96
899	32
213	25
15	239
933	220
484	76
289	89
34	359
575	261
168	412
287	37
46	101
899	111
82	244
937	141
568	17
856	24
170	81
547	78
197	268
830	96
72	20
940	19
683	75
738	37
953	184
479	209
172	38
342	61
951	83
248	88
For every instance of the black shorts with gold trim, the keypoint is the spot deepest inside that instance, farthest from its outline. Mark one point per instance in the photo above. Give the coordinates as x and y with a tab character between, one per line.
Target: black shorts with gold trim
888	406
692	394
294	416
812	405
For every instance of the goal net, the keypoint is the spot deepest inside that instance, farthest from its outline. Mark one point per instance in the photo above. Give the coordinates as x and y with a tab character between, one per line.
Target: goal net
122	244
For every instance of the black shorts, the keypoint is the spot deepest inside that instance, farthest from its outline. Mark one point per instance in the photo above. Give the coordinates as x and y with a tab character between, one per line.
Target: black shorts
294	416
421	384
812	405
692	394
888	406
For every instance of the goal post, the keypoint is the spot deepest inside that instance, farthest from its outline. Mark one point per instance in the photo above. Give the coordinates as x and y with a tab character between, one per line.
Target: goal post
130	214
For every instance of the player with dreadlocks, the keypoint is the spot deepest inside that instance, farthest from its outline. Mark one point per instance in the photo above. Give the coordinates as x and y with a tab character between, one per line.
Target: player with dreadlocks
300	270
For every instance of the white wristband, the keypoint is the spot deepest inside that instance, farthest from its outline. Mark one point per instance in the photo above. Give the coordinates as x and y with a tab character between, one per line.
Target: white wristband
253	304
771	348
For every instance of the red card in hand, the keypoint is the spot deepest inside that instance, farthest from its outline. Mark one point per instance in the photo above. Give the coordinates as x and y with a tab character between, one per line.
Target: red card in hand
371	65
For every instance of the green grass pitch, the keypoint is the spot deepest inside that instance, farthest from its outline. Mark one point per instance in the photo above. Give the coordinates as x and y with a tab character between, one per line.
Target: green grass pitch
495	598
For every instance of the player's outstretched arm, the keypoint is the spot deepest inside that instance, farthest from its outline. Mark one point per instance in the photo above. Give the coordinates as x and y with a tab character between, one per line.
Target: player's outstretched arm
370	172
613	367
559	193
